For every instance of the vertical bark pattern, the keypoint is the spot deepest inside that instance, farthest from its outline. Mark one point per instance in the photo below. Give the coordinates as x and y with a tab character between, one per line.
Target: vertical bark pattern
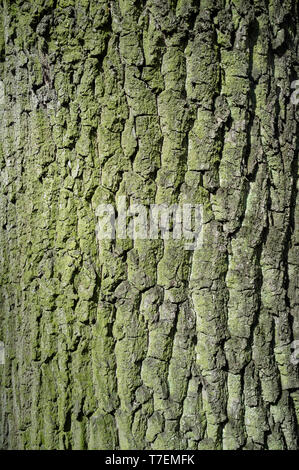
141	344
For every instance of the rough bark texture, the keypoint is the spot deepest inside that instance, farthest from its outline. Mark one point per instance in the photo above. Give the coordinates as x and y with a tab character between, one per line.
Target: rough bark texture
141	344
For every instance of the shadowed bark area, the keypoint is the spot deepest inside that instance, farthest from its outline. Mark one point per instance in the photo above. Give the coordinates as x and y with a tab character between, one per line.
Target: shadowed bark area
141	344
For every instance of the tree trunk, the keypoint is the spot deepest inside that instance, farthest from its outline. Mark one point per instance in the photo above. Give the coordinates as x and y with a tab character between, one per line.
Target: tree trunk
141	344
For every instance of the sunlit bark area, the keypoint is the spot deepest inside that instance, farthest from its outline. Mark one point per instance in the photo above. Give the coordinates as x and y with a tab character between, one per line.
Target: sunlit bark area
140	343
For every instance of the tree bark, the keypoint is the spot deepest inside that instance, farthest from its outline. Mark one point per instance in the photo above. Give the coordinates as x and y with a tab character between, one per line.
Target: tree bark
140	344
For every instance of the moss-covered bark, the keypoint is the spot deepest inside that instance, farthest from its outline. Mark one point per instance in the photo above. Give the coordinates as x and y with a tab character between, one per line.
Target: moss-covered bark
141	344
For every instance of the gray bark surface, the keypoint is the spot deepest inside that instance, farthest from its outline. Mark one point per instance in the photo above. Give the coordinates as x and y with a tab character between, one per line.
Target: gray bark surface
140	344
